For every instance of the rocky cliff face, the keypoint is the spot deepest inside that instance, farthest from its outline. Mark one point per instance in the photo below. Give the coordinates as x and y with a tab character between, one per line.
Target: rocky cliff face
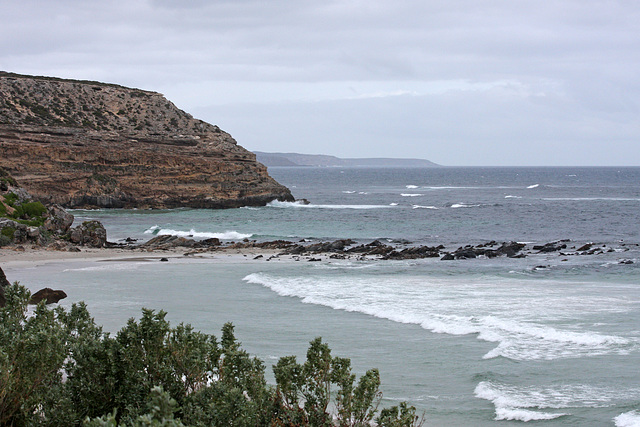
87	144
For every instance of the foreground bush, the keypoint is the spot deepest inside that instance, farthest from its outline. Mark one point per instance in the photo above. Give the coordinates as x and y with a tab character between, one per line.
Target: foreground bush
57	367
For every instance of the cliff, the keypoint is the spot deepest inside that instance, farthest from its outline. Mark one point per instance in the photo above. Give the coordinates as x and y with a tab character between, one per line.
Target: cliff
87	144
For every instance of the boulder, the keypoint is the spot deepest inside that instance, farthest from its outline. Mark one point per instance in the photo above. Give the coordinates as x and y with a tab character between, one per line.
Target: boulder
3	279
550	247
3	282
89	233
168	242
49	296
59	220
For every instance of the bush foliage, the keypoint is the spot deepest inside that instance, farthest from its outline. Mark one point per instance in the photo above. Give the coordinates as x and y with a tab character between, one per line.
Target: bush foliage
57	367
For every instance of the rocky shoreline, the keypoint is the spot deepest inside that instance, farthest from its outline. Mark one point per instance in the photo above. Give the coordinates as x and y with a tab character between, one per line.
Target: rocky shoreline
376	250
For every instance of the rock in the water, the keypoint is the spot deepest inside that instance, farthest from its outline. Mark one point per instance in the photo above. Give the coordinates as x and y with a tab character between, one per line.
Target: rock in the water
49	296
550	247
89	233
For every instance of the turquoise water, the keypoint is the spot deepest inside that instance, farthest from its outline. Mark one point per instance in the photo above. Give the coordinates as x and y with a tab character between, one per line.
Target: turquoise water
470	342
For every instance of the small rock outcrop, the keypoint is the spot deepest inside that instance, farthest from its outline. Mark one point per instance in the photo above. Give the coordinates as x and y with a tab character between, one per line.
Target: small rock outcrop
48	295
3	283
168	242
58	221
85	144
89	233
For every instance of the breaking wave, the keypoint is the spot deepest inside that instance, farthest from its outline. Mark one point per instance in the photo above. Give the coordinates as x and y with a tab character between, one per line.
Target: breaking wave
227	235
628	419
517	338
302	205
510	405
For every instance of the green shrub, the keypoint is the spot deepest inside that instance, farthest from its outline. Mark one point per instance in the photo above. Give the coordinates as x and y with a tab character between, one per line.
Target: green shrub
151	374
33	210
8	232
11	199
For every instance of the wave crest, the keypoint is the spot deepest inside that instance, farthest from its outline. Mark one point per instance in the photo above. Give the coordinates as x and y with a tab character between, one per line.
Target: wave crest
226	235
302	205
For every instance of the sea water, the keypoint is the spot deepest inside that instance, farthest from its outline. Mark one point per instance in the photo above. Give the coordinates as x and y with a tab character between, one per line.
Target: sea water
548	338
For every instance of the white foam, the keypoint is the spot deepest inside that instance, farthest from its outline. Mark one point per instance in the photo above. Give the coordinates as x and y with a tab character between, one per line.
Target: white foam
450	188
393	204
512	197
411	186
534	186
227	235
510	405
301	205
111	266
463	205
411	195
515	323
348	192
424	207
152	230
628	419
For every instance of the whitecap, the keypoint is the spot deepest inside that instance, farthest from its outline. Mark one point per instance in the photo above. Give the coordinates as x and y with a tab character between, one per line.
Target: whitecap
628	419
534	186
348	192
152	230
511	405
411	186
302	205
518	335
463	205
226	235
512	197
424	207
393	204
411	195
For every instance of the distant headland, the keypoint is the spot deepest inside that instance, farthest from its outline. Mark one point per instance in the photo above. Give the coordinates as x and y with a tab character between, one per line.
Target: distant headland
320	160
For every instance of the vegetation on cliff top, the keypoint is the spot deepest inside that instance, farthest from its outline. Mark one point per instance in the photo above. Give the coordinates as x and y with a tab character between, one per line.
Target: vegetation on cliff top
57	367
52	101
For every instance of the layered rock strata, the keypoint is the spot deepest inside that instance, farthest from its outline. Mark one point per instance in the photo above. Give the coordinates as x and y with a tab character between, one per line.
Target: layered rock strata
86	144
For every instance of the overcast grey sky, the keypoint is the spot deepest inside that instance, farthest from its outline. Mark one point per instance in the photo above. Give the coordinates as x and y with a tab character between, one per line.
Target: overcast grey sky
458	82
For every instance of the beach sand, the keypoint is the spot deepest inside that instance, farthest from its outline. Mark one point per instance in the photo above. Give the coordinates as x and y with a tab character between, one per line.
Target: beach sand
34	256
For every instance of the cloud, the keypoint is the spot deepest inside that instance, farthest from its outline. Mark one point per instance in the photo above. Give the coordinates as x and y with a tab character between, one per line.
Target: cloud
507	74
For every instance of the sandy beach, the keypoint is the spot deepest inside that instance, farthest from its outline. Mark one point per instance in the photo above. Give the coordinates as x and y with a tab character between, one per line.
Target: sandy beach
11	258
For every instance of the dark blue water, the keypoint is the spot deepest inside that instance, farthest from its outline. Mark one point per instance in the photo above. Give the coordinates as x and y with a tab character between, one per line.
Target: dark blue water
427	206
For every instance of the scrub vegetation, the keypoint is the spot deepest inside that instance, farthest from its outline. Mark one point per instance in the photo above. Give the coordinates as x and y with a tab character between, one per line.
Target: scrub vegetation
57	367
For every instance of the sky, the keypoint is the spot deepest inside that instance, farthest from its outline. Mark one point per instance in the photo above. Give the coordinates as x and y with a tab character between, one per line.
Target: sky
457	82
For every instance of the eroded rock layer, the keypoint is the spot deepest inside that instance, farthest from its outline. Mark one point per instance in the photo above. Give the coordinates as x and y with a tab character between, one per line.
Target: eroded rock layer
88	144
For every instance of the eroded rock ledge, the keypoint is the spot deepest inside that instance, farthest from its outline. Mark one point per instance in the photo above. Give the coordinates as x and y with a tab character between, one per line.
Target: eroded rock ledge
87	144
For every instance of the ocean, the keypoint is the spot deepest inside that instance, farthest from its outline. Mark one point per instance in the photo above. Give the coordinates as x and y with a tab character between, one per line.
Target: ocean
552	338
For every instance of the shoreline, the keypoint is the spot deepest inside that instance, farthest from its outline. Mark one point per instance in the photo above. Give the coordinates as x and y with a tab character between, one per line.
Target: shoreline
33	257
